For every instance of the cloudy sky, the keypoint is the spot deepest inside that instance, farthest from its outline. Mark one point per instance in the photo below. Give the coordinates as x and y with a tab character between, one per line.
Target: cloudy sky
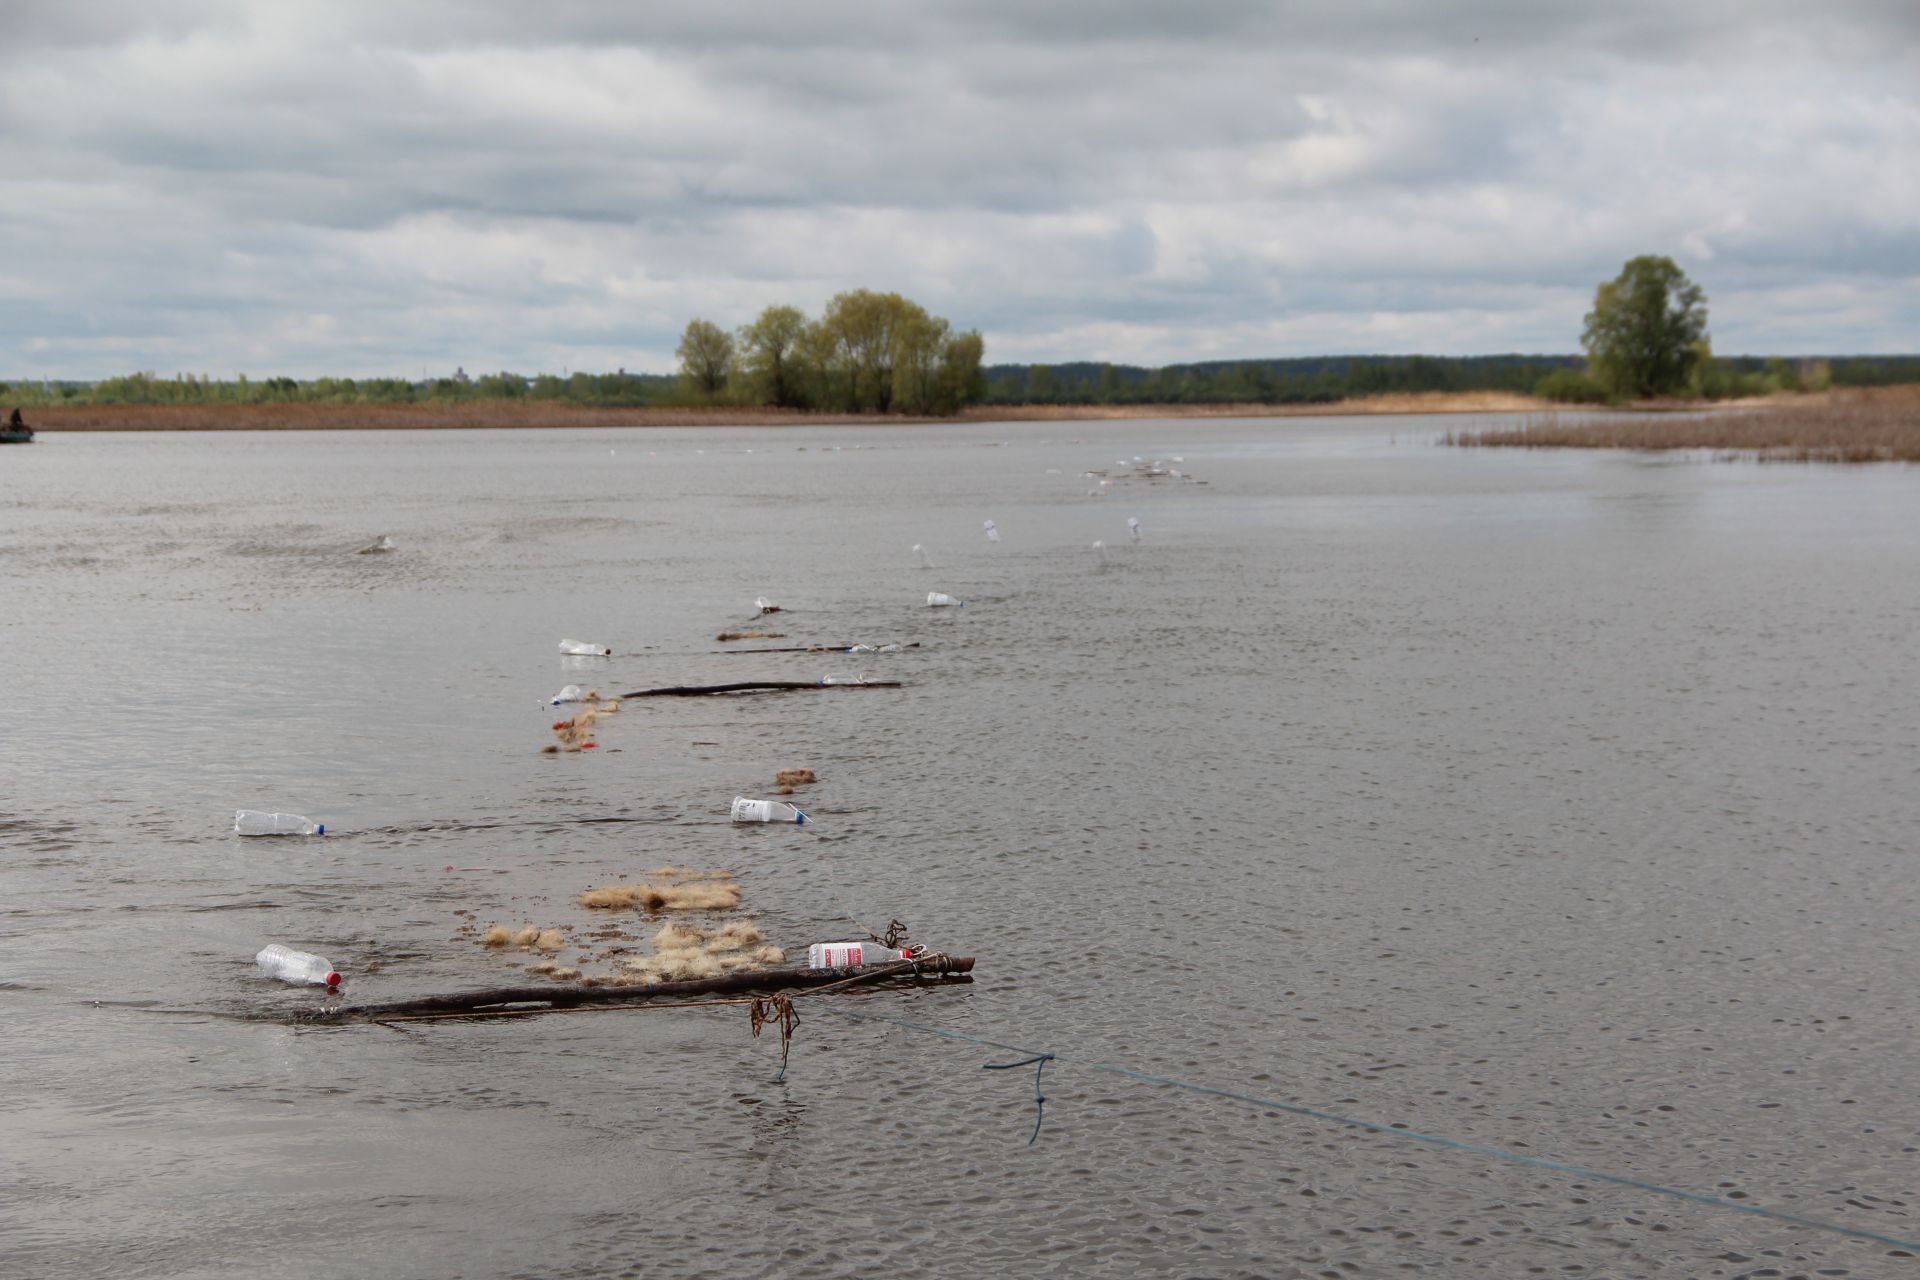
407	185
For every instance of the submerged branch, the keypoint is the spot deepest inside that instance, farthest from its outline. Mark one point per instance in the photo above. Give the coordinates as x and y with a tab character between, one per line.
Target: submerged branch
756	686
935	968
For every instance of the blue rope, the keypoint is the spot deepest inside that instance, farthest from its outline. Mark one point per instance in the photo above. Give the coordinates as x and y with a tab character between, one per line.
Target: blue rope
1039	1063
1372	1126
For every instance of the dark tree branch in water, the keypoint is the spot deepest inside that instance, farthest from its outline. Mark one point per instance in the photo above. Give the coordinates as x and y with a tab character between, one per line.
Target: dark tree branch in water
932	968
756	686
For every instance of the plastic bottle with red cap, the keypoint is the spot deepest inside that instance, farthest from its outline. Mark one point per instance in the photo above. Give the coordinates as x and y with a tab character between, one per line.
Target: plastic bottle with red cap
302	968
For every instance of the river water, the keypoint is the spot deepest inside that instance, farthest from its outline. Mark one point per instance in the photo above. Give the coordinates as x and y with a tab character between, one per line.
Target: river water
1559	804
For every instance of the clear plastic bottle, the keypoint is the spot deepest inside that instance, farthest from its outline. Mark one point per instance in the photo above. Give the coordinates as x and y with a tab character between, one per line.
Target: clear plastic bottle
582	649
843	679
851	955
253	822
571	693
745	810
941	600
302	968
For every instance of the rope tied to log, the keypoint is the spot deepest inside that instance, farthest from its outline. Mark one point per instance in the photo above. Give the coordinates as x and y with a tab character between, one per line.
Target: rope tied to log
775	1010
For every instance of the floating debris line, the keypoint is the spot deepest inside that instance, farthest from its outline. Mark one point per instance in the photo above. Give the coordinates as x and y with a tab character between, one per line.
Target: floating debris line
760	686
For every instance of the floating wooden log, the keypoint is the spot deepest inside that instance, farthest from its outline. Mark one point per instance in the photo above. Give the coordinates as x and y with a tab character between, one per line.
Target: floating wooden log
809	648
935	969
756	686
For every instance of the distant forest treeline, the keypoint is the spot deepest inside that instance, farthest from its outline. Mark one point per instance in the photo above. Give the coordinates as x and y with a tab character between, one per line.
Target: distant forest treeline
1307	380
1323	379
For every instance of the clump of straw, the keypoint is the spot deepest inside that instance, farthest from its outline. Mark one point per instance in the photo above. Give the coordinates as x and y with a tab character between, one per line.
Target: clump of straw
693	895
682	952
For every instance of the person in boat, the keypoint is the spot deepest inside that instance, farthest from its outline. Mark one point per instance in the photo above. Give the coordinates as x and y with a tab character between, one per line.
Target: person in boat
16	422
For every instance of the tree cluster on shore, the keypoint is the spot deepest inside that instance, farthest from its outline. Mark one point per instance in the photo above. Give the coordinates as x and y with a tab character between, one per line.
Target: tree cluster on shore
867	353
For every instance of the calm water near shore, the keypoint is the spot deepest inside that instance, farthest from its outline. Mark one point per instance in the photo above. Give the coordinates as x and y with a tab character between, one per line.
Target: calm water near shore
1563	804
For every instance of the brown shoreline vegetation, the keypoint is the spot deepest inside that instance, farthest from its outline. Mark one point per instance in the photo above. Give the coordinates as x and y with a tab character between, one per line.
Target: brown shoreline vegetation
485	414
1878	424
1859	424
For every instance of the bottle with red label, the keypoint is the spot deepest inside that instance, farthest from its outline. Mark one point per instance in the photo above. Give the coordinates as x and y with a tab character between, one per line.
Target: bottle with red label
851	955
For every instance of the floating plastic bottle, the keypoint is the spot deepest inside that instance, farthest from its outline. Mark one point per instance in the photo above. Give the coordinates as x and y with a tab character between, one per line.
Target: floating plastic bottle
584	650
572	693
862	648
254	822
851	955
1133	527
993	531
1100	551
765	605
941	600
843	679
745	810
926	561
378	546
302	968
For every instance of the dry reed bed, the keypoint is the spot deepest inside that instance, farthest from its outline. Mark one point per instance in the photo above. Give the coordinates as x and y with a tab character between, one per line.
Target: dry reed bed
1879	424
1361	406
435	415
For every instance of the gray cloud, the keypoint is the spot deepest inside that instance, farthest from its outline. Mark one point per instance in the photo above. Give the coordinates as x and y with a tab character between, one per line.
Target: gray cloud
368	188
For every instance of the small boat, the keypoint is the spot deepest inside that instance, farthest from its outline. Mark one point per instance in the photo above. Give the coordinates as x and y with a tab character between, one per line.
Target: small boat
16	435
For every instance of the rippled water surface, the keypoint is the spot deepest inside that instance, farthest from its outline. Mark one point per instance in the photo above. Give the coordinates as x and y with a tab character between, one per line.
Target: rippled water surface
1563	806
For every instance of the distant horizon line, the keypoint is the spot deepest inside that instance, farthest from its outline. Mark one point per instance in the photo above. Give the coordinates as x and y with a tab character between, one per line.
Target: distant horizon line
459	371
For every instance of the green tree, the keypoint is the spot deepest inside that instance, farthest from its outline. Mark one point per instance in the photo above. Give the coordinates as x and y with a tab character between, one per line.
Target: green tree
865	329
958	381
771	357
1642	336
706	357
918	342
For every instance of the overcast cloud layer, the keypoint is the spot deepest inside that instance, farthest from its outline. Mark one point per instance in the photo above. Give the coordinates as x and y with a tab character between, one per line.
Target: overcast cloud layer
397	188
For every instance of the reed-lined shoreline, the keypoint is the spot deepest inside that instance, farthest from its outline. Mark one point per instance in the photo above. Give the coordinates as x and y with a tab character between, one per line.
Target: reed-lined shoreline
1880	424
1847	425
482	414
